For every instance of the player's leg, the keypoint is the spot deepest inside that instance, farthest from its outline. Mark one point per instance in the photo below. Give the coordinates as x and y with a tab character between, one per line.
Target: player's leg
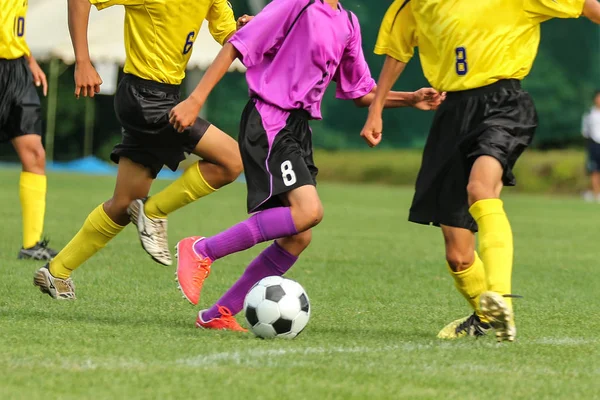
275	260
221	164
495	243
101	225
441	199
23	126
280	177
466	268
593	167
32	193
595	178
197	254
304	212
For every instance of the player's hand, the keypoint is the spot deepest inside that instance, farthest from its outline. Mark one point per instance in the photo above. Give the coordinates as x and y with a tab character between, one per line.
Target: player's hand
39	77
87	80
243	20
372	131
428	99
184	114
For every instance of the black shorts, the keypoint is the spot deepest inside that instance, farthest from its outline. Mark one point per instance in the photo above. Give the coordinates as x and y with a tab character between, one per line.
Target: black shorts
20	111
593	160
275	162
498	120
142	108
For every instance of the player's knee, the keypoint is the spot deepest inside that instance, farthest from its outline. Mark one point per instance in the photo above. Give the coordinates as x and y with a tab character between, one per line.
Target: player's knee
314	214
309	215
478	190
34	159
116	208
233	169
459	260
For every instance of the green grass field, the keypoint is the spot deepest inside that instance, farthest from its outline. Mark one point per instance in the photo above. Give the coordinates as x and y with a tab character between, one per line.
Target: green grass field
379	291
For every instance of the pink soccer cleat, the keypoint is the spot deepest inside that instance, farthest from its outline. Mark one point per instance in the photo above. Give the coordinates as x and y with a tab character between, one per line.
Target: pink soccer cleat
192	269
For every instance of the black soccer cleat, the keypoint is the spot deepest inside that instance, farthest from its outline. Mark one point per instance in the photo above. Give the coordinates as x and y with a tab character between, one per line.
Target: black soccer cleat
40	251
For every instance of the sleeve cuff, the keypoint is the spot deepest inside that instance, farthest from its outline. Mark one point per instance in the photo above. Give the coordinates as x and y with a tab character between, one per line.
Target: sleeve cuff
100	5
358	93
386	51
243	50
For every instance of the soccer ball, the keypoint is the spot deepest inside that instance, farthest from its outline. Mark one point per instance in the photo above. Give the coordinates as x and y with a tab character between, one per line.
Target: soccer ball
277	307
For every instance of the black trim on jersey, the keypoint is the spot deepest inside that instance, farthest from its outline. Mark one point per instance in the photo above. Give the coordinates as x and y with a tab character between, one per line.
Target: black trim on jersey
310	3
350	18
398	13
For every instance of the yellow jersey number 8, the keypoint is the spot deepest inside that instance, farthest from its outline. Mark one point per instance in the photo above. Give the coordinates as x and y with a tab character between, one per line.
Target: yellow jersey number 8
461	61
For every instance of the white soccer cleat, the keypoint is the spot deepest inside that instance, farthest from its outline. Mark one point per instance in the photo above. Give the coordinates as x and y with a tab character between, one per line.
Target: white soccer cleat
501	316
152	233
61	289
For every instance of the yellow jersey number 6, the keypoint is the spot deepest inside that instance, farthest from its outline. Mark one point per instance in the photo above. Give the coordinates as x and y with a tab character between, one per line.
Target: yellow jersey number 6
189	42
461	61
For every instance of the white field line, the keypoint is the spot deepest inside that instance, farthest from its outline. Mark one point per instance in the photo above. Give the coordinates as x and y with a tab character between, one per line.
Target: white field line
275	356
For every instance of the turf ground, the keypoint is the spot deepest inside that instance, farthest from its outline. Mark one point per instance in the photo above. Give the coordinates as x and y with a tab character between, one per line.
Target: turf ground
379	291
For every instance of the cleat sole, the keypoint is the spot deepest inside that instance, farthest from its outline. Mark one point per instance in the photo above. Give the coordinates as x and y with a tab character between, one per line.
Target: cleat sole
500	316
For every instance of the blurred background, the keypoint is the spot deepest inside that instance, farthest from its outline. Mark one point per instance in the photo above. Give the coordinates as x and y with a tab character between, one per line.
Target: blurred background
562	83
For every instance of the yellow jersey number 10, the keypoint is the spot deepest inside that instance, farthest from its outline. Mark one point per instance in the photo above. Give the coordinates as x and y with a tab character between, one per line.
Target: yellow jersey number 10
19	26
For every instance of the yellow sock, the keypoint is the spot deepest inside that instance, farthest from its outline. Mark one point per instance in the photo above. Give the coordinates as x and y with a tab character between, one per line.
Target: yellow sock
32	192
471	283
187	188
97	230
495	244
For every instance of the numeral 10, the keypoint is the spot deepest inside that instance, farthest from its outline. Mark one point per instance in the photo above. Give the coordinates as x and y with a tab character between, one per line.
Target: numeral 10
19	26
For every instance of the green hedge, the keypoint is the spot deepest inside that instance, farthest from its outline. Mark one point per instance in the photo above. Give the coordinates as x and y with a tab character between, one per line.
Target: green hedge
537	171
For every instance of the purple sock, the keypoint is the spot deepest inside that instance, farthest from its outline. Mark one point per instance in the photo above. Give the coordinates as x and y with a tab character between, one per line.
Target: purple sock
266	225
274	260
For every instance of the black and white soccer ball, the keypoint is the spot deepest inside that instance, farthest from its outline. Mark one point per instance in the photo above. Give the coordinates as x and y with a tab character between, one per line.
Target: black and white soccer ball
277	307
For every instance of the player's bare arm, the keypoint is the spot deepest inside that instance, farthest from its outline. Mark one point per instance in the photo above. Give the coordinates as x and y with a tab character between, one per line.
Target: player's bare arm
87	80
591	10
373	128
184	114
423	99
39	77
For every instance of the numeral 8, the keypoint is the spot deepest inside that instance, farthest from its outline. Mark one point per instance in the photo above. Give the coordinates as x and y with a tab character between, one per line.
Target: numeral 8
461	61
287	173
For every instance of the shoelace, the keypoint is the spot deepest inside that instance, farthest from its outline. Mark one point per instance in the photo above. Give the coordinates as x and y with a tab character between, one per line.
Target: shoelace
202	272
471	322
226	315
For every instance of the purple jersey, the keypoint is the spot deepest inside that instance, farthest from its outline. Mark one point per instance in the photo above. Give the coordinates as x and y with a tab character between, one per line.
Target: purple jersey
293	49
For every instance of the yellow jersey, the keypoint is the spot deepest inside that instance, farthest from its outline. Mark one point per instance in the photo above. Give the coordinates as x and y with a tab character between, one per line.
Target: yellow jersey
160	34
466	44
12	29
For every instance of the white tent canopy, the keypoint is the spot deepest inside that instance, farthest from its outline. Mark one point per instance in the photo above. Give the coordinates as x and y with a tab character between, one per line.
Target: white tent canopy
48	36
